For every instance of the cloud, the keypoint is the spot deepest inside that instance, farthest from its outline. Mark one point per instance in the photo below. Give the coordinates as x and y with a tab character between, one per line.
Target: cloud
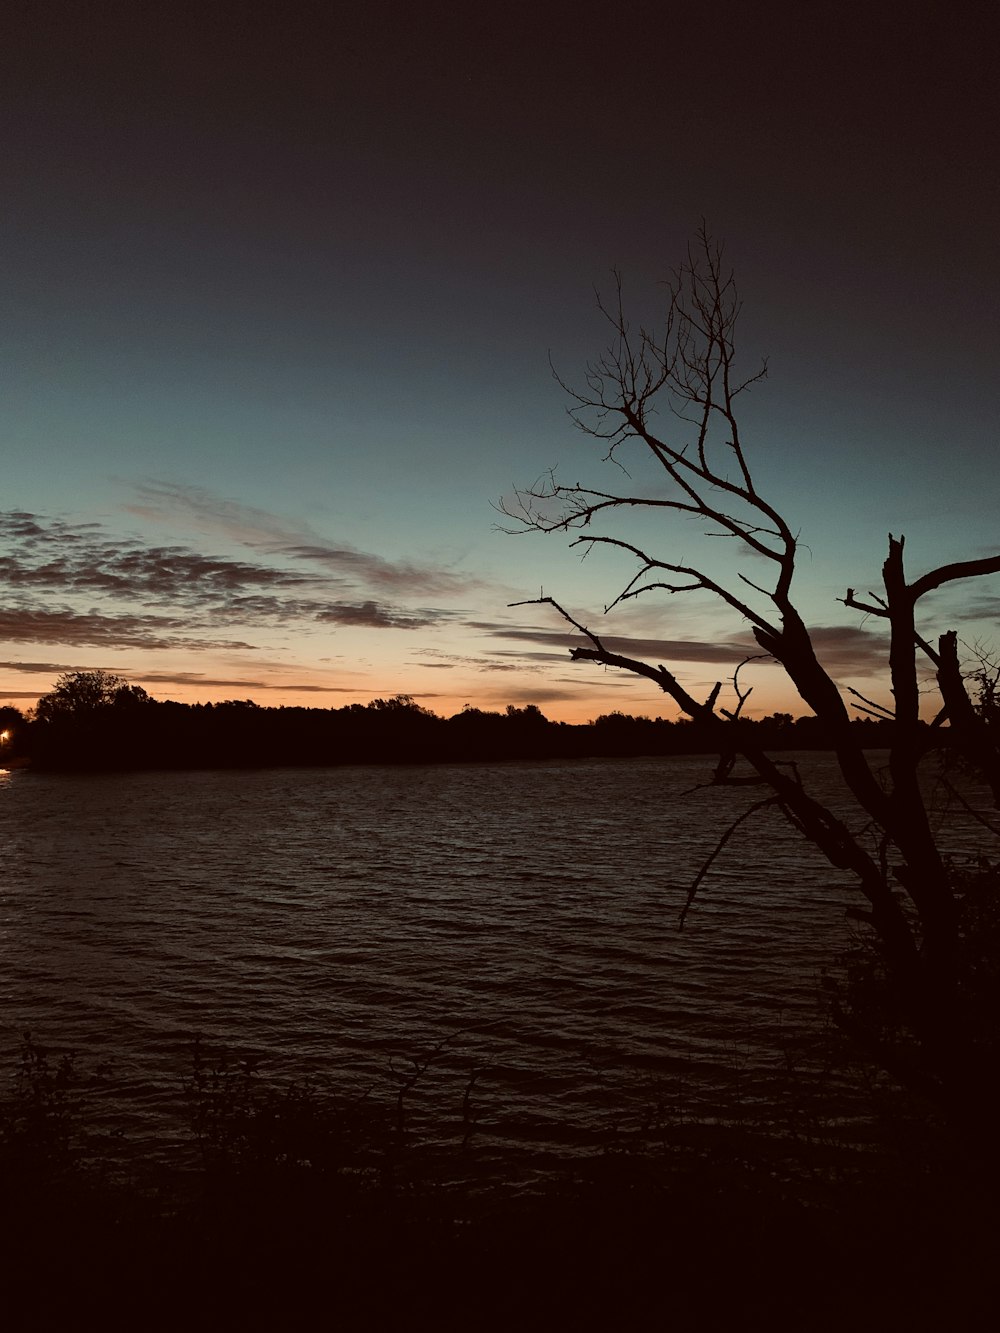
196	678
91	629
373	571
982	606
664	650
844	649
261	530
51	555
533	694
477	662
850	650
106	586
41	668
375	615
192	678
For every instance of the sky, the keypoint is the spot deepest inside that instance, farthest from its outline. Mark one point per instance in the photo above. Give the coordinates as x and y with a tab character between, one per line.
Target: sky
281	285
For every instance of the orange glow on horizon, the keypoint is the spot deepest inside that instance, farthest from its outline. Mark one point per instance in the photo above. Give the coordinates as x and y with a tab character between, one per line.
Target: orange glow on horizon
576	709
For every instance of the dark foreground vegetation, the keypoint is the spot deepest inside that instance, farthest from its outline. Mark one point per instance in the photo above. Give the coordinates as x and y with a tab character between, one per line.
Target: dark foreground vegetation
285	1206
93	721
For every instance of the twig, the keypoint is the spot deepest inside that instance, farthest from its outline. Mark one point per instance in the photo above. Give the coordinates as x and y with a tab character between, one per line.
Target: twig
692	891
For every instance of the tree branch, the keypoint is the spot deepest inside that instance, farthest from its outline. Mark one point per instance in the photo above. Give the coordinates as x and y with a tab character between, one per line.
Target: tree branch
727	834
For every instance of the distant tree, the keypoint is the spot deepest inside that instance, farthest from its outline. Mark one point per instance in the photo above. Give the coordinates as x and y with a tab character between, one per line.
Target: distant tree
79	693
915	905
471	714
399	703
530	713
12	731
10	718
779	720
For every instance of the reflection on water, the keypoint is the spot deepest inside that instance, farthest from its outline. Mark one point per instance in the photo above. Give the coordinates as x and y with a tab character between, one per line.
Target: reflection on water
334	921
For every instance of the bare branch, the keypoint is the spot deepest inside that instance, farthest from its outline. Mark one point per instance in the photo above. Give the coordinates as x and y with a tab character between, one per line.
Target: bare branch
727	834
700	580
550	601
881	609
743	695
964	569
876	709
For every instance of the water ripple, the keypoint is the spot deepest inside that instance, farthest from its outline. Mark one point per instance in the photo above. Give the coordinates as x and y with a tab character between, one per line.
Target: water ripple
332	921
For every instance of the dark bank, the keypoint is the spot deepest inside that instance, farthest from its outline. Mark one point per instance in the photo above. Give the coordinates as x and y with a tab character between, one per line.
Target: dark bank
92	721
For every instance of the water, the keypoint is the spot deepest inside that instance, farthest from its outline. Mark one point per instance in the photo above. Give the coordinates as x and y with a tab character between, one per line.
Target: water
513	922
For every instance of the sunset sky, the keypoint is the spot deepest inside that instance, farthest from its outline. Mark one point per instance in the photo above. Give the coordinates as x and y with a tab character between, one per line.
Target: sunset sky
281	284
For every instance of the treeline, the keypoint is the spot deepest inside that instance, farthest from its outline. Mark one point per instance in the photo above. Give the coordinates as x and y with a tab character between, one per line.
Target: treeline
132	732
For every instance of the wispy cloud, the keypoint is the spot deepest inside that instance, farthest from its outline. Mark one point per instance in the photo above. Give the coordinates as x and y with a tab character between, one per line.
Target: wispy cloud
38	668
53	555
241	684
375	615
91	629
665	650
983	606
845	650
299	542
539	693
851	650
103	589
187	678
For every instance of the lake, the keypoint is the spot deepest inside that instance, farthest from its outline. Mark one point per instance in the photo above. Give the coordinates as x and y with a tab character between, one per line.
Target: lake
515	923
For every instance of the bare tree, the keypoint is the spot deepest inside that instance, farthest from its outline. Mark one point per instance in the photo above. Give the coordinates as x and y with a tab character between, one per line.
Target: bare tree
702	471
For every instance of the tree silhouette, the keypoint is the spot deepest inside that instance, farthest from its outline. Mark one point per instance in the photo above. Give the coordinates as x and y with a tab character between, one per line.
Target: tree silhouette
79	693
701	470
10	717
